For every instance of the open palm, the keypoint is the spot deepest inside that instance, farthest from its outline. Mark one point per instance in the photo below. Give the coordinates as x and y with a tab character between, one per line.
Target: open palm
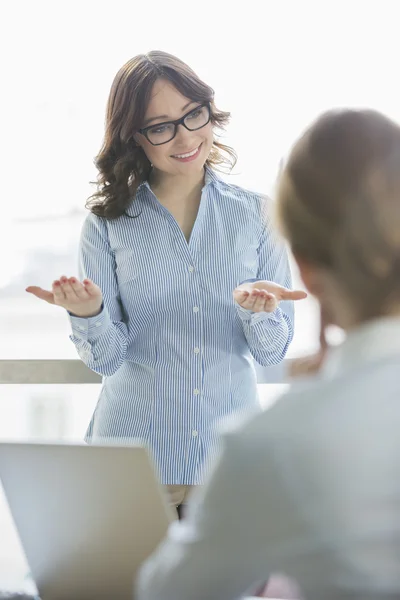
83	299
264	296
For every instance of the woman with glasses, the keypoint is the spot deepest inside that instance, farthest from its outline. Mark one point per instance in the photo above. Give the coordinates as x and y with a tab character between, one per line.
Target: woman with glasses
166	245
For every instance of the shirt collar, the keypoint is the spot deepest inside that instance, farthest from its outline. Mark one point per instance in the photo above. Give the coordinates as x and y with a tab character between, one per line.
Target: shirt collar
373	341
210	177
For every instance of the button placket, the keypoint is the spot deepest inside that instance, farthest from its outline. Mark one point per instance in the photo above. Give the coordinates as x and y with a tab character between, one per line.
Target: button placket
196	347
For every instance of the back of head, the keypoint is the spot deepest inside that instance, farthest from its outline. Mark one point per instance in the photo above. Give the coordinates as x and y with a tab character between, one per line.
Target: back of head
339	205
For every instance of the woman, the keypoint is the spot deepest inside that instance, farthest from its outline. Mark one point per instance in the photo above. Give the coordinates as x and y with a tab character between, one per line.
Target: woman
161	252
310	488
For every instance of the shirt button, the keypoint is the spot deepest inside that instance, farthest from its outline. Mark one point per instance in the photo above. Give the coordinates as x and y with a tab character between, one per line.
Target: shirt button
98	324
196	309
191	269
196	350
196	392
194	433
81	328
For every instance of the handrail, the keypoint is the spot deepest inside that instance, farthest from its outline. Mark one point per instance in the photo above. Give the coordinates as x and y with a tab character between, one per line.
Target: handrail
67	371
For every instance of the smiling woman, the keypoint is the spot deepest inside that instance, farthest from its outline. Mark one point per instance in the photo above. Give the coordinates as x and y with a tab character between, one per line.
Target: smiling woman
165	246
163	103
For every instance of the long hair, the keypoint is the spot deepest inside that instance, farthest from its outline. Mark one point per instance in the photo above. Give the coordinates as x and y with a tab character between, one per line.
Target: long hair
123	165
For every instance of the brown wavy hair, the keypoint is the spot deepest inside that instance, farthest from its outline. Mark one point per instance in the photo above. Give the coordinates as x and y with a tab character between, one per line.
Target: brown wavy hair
123	165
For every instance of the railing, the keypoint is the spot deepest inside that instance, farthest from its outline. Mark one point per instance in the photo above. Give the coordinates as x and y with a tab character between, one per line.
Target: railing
75	371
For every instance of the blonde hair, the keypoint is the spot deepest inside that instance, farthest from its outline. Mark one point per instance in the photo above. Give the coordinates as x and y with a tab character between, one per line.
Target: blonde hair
339	205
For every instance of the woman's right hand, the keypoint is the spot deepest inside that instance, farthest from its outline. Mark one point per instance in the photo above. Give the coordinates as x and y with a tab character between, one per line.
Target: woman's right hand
81	299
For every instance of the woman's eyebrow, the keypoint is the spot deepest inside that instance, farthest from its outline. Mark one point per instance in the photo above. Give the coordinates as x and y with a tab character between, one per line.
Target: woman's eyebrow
147	121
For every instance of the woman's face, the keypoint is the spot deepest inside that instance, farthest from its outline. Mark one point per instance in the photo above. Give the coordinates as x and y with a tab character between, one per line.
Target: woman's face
188	151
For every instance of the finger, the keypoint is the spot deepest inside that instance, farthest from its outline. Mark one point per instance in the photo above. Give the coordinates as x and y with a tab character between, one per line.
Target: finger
268	303
68	290
251	300
245	300
40	293
245	287
271	303
286	294
248	305
59	296
260	302
240	295
90	287
78	288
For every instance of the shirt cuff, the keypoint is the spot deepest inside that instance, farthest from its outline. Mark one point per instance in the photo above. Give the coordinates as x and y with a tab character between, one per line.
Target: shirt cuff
91	328
250	317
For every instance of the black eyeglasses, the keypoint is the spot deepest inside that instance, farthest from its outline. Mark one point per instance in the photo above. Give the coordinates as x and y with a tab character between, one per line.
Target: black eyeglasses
162	133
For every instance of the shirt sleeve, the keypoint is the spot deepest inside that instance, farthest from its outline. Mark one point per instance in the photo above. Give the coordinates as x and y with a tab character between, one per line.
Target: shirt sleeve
270	334
217	550
101	341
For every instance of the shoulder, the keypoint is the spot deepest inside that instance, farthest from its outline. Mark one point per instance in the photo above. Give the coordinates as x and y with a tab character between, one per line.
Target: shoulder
238	198
309	414
250	197
284	420
94	220
94	226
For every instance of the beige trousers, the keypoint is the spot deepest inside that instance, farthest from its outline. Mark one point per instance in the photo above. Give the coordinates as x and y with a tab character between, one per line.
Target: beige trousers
178	494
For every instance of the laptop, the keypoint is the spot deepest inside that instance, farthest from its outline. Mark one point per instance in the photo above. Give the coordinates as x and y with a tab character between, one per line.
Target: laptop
87	515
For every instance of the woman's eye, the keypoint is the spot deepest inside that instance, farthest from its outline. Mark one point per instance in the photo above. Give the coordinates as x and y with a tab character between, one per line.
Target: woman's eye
158	130
195	114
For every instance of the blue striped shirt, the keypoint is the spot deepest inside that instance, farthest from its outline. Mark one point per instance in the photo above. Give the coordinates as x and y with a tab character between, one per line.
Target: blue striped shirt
174	350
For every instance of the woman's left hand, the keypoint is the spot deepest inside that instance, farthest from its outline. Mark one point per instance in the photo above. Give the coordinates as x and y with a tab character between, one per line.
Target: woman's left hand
264	296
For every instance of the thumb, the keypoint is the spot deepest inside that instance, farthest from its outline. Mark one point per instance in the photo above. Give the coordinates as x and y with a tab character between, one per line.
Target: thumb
293	294
40	293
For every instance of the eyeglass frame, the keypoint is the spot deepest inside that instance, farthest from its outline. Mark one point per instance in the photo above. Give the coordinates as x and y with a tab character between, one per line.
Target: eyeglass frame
176	124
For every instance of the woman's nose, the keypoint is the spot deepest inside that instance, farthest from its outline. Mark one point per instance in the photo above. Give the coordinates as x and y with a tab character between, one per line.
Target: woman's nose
183	134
